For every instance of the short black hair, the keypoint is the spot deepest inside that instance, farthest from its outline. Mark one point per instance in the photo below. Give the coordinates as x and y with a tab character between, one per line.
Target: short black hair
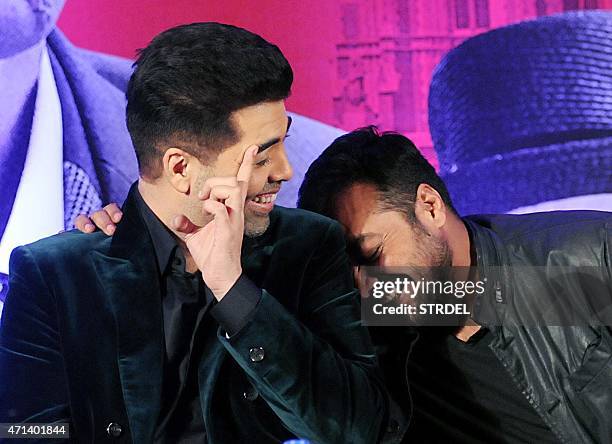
190	79
388	161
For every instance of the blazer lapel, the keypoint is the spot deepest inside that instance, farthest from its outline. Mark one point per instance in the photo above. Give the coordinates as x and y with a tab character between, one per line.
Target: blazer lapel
128	274
93	109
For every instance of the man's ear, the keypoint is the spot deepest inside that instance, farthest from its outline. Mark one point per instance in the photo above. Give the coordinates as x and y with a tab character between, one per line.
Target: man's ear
429	208
178	166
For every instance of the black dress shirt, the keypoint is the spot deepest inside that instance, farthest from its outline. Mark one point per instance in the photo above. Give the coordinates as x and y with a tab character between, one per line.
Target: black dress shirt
190	313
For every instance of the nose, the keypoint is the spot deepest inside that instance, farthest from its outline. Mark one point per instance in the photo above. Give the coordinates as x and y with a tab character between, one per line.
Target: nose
282	170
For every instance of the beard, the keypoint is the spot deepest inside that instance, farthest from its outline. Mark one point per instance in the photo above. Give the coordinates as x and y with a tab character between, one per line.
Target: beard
255	225
437	254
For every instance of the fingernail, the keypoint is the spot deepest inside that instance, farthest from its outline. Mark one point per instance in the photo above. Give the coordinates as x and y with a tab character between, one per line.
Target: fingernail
116	217
89	227
110	227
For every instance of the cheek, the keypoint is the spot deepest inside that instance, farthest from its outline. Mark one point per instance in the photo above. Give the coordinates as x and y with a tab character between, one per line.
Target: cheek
402	252
403	258
258	180
393	259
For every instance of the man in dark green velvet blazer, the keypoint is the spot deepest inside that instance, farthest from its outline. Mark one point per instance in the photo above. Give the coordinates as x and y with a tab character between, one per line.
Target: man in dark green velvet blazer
210	315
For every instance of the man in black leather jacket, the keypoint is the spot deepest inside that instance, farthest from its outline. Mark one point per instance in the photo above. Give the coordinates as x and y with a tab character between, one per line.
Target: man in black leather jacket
504	375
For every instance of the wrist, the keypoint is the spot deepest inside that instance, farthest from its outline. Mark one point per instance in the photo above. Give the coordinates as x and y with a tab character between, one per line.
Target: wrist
219	291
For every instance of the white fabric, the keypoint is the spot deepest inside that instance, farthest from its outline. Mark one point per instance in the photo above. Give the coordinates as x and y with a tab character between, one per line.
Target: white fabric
38	210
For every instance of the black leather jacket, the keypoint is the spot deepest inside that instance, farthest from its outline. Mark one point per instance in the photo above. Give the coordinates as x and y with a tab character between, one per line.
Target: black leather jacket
564	372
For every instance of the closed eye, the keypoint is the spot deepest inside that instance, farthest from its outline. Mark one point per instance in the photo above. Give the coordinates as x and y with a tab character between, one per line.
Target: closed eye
372	258
358	257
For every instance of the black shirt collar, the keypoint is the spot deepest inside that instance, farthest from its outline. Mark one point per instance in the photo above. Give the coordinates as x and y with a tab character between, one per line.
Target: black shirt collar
164	242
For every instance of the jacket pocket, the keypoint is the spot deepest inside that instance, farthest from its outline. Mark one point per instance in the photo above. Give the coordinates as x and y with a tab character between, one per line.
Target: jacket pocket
591	398
597	366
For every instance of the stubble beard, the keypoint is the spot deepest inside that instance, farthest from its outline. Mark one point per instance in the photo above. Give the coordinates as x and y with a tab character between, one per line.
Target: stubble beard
255	225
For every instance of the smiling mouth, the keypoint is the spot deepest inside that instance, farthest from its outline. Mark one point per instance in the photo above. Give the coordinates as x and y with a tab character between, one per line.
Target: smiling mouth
262	203
264	198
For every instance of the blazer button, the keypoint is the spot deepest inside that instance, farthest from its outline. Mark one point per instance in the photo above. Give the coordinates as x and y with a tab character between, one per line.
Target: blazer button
114	430
250	394
393	426
257	354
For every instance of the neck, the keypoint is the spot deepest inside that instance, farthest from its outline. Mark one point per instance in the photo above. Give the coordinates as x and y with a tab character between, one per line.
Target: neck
18	75
459	243
159	199
467	331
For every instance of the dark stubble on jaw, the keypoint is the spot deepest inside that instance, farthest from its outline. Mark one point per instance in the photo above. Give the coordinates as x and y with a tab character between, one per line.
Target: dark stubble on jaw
255	226
434	252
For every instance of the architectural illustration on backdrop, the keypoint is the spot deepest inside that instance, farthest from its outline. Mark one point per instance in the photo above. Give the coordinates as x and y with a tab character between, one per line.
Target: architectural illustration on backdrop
390	48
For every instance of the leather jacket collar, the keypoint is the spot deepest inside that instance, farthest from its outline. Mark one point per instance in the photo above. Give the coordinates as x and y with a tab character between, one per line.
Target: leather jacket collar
493	267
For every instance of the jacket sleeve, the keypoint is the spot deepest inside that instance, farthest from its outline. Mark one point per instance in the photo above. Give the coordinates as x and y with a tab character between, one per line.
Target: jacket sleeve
32	378
319	374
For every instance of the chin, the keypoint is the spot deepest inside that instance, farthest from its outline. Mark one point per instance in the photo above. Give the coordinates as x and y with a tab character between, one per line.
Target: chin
255	226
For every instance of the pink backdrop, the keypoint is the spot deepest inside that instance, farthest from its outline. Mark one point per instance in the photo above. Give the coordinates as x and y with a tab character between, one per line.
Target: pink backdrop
356	62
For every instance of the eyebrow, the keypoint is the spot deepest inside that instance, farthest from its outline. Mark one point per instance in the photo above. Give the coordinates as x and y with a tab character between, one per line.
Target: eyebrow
264	146
364	236
357	241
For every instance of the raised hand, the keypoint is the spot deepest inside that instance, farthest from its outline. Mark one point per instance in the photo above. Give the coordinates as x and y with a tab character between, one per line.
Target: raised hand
216	247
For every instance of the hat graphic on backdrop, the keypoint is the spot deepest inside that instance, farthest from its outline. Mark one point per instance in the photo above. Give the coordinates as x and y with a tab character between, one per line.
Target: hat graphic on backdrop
523	114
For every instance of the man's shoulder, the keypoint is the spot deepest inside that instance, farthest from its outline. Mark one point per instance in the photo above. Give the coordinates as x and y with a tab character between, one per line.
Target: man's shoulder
301	221
512	226
579	234
70	246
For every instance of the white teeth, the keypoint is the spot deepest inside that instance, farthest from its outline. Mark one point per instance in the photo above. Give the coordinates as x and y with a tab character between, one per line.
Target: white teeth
265	199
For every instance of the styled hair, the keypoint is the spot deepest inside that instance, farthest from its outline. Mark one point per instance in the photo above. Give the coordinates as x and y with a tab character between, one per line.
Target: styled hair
190	79
388	161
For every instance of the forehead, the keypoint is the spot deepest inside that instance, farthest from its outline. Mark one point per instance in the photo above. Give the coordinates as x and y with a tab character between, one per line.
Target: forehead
261	121
358	212
355	206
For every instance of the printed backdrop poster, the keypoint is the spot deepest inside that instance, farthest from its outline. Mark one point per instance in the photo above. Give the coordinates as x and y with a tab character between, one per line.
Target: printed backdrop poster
518	116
